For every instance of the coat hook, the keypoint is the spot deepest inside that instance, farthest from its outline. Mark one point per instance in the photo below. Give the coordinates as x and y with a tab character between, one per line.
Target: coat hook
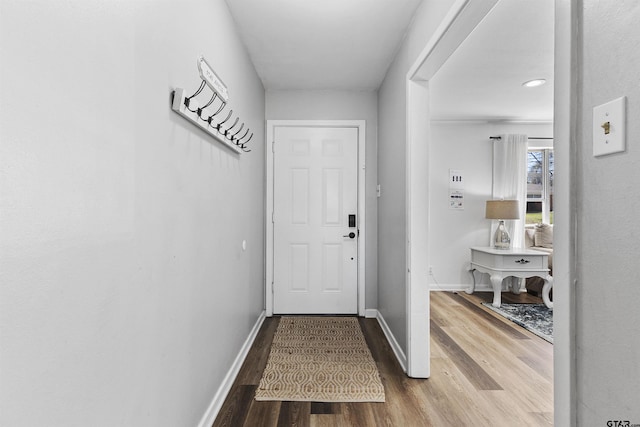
187	100
222	122
239	130
210	118
245	134
250	136
245	143
206	105
232	126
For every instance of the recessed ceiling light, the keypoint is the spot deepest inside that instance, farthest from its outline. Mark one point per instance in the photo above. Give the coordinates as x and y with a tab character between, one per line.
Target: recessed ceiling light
534	83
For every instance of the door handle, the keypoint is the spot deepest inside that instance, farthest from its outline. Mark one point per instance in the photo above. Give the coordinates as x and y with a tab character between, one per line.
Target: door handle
350	235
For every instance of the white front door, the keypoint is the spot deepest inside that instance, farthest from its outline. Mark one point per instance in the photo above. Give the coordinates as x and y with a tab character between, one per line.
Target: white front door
315	199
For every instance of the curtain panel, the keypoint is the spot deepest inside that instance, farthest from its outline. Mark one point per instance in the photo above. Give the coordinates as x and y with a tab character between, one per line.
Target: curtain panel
510	181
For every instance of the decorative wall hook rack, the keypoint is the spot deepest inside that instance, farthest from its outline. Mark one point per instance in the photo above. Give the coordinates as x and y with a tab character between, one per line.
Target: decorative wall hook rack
206	117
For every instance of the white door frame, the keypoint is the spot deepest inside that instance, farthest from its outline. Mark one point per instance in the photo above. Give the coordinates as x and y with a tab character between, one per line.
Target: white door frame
462	18
565	215
271	126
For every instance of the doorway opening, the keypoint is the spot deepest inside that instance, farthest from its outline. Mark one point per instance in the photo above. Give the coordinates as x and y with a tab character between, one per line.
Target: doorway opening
462	19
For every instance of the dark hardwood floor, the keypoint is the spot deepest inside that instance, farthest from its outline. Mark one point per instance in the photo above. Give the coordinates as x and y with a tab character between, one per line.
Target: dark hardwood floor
485	371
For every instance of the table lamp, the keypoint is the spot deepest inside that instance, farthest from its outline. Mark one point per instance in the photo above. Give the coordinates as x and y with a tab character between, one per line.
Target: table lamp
502	210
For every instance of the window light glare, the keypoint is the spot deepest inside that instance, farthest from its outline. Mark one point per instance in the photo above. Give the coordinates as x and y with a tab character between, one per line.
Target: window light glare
534	83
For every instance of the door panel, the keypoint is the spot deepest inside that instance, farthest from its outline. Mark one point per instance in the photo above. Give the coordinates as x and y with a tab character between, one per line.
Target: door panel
331	197
315	190
300	196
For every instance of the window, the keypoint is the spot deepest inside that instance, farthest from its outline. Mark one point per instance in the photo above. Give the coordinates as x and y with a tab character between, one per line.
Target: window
540	186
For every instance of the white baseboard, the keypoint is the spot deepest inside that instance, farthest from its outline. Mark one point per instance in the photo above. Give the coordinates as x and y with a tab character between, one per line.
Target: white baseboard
397	350
371	313
216	404
481	287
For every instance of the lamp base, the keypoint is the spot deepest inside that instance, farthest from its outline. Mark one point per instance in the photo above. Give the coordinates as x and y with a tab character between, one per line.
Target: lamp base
501	238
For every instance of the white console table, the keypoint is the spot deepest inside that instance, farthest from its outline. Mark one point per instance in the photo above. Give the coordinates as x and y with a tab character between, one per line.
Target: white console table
518	262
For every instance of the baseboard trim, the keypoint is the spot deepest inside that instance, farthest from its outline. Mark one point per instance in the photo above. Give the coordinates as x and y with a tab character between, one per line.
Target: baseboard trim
216	404
397	350
371	313
483	287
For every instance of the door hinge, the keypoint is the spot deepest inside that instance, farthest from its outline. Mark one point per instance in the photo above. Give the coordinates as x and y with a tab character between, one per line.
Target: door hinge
273	146
273	221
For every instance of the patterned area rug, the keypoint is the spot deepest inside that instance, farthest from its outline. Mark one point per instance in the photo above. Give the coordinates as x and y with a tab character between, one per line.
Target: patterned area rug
320	359
536	318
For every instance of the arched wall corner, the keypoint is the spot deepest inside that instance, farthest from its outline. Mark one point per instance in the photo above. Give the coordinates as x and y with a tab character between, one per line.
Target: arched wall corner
458	23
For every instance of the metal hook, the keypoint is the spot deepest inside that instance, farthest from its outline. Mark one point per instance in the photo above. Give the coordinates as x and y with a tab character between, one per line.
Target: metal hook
222	122
215	95
240	139
206	105
210	118
239	130
232	126
245	143
188	99
250	136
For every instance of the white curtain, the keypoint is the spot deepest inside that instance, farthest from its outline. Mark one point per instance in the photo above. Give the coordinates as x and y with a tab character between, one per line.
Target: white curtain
510	181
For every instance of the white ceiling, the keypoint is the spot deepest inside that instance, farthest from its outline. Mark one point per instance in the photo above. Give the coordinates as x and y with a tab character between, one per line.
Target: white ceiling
322	44
349	44
483	78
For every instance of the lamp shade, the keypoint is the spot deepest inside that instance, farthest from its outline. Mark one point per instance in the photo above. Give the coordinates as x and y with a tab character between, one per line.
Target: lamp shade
502	209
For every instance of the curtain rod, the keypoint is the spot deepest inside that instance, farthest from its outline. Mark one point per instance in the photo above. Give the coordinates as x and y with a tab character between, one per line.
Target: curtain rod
530	137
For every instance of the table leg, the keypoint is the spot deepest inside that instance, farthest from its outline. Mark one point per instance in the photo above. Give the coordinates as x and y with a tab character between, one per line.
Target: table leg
496	281
548	285
473	286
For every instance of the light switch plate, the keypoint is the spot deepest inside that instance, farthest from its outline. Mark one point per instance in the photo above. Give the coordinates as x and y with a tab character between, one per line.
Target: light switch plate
614	113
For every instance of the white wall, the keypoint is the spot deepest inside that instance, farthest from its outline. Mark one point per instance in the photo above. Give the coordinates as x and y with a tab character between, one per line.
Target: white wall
464	146
341	105
392	168
125	295
607	294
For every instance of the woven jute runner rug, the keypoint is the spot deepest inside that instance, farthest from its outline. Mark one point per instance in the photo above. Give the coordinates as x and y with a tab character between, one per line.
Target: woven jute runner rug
320	359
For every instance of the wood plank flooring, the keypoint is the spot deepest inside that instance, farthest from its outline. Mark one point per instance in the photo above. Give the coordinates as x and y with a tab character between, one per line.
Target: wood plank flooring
485	371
